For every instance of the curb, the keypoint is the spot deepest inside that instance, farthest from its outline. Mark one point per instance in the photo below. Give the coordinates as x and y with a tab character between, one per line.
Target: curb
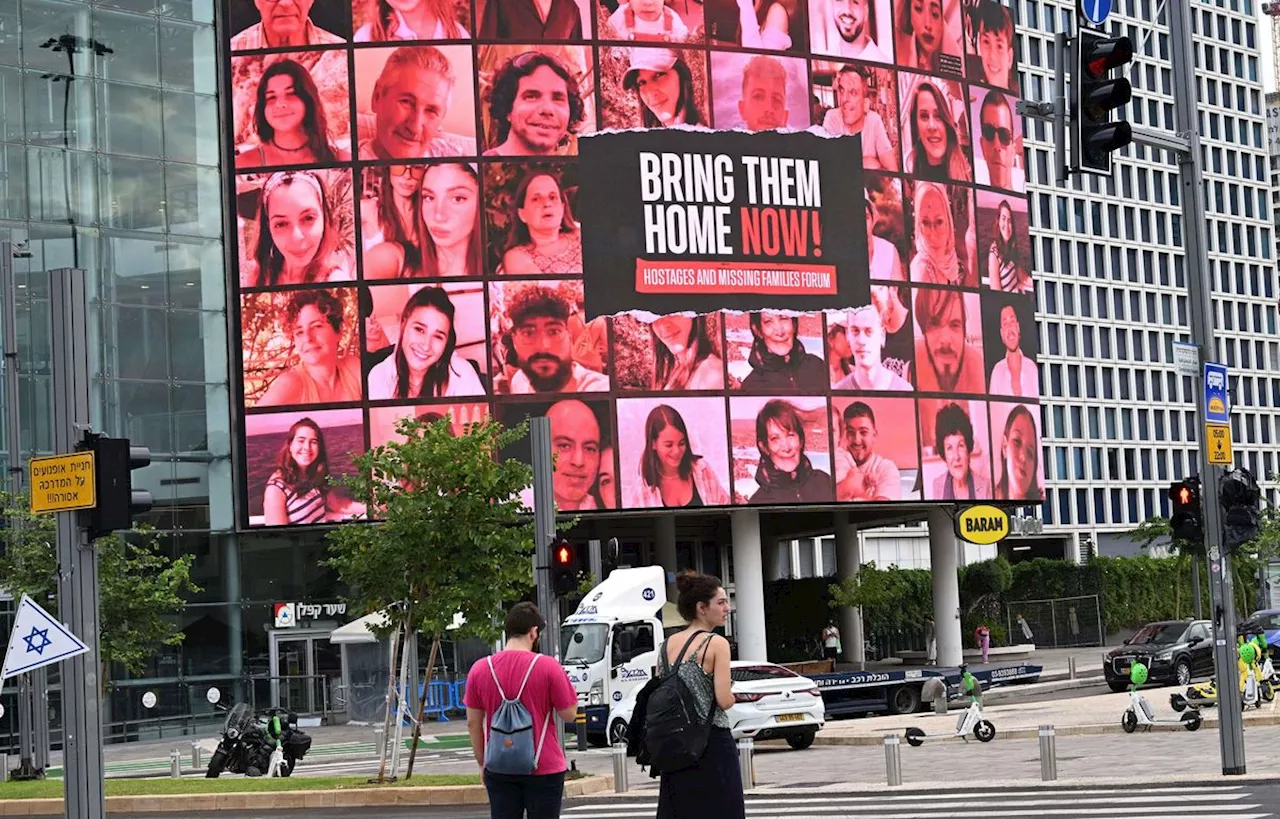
1091	729
295	800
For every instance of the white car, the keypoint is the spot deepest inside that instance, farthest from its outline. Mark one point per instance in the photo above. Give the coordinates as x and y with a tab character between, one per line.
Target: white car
770	702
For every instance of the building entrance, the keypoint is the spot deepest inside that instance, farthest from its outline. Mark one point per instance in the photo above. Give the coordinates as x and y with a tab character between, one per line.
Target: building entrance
306	672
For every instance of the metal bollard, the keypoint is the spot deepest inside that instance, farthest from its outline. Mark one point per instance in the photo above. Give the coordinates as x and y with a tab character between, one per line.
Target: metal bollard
892	759
175	763
1048	753
1071	668
379	741
4	767
746	762
620	767
581	724
195	755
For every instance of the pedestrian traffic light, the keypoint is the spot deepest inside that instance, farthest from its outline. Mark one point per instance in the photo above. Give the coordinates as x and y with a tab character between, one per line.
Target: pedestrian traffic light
118	503
1187	518
1239	496
565	558
1096	92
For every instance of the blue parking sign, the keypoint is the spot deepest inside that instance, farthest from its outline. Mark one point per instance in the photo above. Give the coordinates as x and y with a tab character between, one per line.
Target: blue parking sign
1217	407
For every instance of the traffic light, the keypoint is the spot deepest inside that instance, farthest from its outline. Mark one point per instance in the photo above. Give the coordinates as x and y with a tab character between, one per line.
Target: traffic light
1241	518
565	576
1187	519
118	503
1095	94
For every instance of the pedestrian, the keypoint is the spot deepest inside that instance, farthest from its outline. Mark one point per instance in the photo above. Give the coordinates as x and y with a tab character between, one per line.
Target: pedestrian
712	787
520	674
930	641
831	640
983	635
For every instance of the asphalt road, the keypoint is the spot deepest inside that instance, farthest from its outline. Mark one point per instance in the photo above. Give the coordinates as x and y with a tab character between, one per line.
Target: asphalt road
1250	800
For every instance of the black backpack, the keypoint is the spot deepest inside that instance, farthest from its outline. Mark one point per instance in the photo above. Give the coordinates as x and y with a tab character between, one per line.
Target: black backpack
668	731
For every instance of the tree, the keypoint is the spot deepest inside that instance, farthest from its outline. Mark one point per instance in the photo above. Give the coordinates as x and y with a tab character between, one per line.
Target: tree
453	538
139	588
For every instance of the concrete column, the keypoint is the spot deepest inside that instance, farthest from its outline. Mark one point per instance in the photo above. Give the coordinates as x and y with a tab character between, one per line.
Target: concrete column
943	557
748	583
664	547
848	561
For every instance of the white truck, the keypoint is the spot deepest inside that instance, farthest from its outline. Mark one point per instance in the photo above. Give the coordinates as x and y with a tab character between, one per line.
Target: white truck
609	646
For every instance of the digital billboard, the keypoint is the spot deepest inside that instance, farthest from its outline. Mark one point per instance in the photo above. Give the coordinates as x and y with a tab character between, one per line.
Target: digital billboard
740	252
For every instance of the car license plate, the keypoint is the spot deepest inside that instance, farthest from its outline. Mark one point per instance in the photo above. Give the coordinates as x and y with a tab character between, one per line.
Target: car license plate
791	718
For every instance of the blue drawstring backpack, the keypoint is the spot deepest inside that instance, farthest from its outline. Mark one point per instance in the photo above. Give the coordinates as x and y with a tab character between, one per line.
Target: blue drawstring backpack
510	747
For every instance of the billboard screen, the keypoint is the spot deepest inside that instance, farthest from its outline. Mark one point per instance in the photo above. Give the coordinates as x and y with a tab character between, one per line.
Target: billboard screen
763	252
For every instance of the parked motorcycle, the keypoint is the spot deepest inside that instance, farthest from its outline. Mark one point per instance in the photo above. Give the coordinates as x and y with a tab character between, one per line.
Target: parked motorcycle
267	743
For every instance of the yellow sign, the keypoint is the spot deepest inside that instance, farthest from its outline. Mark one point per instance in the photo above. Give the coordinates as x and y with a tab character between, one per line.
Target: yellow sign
1217	406
1218	437
983	525
62	483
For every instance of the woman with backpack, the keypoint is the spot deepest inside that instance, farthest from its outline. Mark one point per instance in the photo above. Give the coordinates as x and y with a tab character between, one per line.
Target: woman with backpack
713	785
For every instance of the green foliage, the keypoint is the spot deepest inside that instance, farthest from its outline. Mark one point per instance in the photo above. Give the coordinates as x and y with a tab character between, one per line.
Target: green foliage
1159	529
892	599
139	588
453	537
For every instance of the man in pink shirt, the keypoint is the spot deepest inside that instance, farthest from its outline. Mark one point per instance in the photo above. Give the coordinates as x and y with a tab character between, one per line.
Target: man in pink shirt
537	795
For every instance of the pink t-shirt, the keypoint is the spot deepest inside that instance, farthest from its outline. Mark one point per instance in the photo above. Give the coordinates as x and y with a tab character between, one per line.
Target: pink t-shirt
548	690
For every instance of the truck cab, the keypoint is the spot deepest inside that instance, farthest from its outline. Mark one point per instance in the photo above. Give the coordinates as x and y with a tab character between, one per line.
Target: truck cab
609	645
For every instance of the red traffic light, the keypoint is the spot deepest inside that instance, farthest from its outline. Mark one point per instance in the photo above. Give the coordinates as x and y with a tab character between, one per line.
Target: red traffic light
1184	496
564	554
1100	56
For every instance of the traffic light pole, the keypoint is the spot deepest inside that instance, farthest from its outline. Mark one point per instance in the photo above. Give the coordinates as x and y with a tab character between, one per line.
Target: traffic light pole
1186	146
544	532
77	561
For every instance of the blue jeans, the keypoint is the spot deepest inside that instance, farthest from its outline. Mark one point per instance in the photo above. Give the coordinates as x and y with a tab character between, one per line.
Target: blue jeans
517	797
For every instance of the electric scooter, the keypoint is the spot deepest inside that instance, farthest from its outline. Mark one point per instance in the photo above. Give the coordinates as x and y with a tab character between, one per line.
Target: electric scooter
970	722
1141	714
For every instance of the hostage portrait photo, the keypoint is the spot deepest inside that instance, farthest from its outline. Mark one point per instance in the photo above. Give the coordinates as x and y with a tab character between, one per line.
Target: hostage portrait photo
852	29
876	457
935	128
301	347
583	445
536	100
763	25
673	452
1011	345
425	341
759	92
770	352
781	450
379	21
541	342
1015	449
289	459
929	36
651	21
420	220
943	237
415	102
653	87
291	109
383	420
261	24
529	21
1004	243
997	138
533	229
949	356
676	353
955	449
859	99
990	45
295	227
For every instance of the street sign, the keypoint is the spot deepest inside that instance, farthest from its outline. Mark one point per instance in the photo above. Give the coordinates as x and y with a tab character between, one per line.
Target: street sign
1095	11
62	483
1217	407
37	639
1218	438
1186	359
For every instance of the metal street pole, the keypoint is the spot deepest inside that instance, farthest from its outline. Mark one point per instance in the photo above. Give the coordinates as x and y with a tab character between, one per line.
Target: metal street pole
544	531
77	560
1200	291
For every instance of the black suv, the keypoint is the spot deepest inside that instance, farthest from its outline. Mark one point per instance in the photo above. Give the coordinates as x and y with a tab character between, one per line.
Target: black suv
1173	651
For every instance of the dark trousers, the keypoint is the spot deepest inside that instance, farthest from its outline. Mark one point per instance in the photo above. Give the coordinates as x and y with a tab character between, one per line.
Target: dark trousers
517	797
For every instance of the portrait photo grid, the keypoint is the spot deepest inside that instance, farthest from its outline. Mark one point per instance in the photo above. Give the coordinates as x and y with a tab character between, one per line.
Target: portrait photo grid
410	244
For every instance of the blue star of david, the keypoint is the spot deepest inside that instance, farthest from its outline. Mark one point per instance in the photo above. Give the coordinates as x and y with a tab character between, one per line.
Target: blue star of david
38	640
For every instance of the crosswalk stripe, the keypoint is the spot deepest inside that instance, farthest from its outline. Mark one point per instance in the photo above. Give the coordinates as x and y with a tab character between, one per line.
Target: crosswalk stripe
939	801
